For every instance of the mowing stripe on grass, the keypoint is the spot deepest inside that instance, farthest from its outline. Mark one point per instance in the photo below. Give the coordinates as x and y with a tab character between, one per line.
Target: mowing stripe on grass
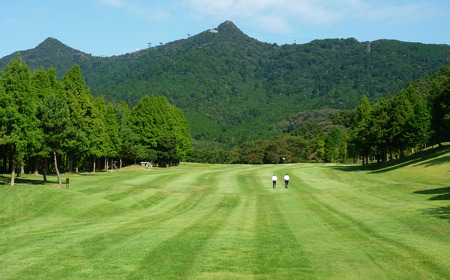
388	254
199	221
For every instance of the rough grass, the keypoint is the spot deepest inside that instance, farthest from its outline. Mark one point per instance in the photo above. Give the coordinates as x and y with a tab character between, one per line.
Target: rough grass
200	221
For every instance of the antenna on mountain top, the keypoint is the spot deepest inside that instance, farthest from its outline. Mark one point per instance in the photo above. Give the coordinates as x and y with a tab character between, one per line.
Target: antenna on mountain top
368	48
189	35
149	45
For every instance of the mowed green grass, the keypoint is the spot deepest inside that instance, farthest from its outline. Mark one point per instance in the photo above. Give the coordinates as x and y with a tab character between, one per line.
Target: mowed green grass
198	221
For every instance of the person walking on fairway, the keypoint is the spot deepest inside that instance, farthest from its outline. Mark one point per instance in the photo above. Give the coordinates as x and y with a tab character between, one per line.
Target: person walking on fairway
286	181
274	180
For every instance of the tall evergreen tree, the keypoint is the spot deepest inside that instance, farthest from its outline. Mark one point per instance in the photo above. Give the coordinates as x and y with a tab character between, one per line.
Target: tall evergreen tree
400	111
18	124
359	131
129	141
98	138
53	112
80	103
43	85
439	100
418	126
379	128
333	143
154	119
112	132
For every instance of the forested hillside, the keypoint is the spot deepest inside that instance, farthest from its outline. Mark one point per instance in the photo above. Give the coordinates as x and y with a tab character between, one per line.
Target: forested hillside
43	120
233	88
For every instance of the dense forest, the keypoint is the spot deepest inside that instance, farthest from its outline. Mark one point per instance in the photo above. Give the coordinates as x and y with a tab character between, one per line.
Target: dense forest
50	124
390	127
222	98
233	88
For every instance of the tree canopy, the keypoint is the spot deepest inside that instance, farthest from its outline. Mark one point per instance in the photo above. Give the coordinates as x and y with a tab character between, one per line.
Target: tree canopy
42	117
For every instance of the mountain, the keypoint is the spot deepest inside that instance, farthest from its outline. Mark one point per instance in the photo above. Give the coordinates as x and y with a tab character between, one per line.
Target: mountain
52	52
234	88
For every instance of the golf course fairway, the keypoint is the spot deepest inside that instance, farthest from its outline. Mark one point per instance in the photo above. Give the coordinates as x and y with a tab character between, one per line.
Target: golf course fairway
200	221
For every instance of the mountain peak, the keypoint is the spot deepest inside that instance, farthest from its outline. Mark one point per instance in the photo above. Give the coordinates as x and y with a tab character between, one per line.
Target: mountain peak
51	43
228	26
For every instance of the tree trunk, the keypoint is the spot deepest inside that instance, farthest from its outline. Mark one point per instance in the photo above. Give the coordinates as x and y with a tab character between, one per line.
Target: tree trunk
44	169
19	171
106	164
36	166
70	164
75	162
56	168
13	169
93	170
120	166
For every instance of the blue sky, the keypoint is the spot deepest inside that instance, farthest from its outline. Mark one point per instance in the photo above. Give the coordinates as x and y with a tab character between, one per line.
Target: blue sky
115	27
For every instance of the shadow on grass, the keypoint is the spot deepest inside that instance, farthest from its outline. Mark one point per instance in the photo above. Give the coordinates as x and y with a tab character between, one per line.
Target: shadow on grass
432	157
440	193
5	180
440	212
91	174
436	161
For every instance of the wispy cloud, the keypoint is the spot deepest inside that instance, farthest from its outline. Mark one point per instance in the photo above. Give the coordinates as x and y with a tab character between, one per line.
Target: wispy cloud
281	14
114	3
137	9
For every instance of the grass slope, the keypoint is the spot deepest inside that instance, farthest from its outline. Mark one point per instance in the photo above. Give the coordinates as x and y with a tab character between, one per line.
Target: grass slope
201	221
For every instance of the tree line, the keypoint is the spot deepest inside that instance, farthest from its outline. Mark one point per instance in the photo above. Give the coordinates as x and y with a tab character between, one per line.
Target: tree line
390	127
416	116
232	88
50	124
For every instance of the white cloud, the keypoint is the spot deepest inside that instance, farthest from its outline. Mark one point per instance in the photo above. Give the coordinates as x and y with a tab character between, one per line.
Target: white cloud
315	12
137	9
113	3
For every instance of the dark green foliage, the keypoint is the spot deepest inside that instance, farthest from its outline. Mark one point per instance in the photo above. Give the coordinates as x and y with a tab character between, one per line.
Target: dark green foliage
98	137
43	118
439	102
114	141
81	109
233	88
214	154
19	133
333	144
418	126
413	118
130	149
161	127
168	153
55	124
359	132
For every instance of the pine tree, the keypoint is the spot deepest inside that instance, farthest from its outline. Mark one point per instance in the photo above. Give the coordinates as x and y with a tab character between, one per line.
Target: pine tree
333	142
18	123
418	127
42	86
112	132
359	131
55	124
155	119
80	103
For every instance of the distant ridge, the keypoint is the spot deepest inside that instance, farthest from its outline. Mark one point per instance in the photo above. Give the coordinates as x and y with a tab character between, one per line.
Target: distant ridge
51	53
234	88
